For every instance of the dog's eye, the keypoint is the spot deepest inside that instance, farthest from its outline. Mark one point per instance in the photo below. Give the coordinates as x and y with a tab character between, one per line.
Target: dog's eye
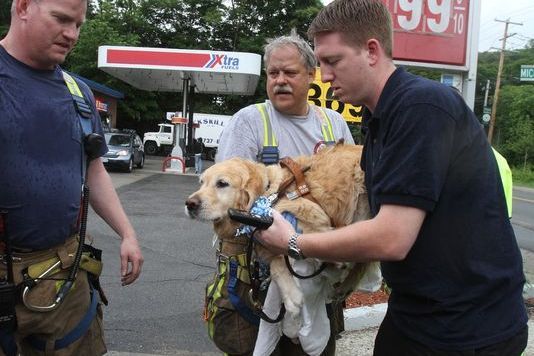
222	184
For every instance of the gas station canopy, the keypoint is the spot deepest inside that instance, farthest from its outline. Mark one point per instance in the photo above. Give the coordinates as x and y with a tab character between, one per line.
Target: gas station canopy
163	69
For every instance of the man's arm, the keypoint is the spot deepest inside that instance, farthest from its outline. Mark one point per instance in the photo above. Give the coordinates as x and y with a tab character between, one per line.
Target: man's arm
105	202
389	236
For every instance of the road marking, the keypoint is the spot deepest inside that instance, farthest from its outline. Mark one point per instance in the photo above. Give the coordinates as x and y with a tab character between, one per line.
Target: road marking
525	200
523	224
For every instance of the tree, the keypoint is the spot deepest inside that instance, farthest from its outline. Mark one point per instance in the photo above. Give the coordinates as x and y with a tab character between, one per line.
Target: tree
516	124
5	17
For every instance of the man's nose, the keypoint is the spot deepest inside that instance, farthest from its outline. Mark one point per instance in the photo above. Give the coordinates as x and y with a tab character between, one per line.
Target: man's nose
281	78
72	32
326	75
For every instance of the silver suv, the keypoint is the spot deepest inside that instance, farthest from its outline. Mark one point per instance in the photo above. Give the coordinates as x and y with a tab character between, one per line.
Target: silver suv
125	150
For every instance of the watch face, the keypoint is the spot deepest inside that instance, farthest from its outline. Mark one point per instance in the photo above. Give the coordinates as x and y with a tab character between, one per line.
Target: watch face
293	253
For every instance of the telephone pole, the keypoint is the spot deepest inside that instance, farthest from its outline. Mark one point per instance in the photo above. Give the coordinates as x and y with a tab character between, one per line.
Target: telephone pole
498	82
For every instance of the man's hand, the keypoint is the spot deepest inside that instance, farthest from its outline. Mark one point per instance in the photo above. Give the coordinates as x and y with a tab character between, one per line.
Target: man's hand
276	237
131	260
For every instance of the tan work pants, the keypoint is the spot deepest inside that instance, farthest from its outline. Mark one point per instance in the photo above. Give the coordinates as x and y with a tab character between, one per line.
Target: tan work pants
54	325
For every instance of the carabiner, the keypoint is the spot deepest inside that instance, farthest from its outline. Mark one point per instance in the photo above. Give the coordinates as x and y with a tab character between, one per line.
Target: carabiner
35	281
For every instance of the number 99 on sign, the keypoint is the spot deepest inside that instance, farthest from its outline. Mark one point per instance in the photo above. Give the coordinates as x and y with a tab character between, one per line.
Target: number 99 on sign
321	94
433	16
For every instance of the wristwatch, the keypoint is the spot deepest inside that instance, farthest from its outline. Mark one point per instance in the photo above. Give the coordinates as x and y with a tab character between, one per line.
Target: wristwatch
292	249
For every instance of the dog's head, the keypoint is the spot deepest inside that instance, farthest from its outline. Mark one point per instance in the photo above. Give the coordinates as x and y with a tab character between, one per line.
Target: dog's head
234	183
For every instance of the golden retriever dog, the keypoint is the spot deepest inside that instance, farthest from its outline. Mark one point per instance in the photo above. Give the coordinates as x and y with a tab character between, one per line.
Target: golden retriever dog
336	183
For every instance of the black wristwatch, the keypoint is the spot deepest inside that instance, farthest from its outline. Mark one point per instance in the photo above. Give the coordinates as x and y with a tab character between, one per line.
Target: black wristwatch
292	249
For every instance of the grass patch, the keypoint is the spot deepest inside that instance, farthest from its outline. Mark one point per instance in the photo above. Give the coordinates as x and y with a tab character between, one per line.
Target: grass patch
523	176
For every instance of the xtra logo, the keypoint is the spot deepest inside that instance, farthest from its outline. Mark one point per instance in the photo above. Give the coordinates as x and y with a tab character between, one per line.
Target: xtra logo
224	61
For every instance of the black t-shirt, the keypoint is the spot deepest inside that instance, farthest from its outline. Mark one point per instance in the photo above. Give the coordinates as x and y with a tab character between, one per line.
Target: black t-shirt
461	284
198	147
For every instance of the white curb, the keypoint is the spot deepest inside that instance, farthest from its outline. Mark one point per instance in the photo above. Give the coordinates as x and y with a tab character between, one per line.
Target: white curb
364	317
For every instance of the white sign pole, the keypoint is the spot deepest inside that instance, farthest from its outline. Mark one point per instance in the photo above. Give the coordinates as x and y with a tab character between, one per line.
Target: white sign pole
469	82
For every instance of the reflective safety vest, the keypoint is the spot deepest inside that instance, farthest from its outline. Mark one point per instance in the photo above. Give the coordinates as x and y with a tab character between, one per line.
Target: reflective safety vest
506	178
270	153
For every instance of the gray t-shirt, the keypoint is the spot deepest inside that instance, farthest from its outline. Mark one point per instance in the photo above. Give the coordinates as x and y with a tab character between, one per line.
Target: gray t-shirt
295	135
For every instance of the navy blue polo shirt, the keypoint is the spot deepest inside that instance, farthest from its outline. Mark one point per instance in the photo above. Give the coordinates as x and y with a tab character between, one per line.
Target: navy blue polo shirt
460	286
41	154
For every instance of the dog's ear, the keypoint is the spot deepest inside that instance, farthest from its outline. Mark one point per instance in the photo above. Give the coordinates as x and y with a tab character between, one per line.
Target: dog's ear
243	200
252	184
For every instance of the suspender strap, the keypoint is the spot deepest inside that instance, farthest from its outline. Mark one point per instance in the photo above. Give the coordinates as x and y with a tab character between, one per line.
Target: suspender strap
236	301
326	126
268	135
79	101
74	334
270	153
84	114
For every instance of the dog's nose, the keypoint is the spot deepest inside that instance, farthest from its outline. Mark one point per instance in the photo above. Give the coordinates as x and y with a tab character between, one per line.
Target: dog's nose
192	204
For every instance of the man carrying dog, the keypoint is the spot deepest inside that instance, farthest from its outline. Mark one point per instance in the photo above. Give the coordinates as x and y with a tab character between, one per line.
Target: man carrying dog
51	141
440	224
294	128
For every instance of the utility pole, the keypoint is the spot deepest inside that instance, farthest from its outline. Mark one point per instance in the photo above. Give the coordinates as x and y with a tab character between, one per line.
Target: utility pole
498	82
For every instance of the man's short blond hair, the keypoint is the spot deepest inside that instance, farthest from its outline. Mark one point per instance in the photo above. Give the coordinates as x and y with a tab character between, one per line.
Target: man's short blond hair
357	21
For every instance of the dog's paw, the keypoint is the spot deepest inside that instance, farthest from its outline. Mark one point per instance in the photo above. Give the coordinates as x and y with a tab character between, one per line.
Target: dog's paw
291	324
293	301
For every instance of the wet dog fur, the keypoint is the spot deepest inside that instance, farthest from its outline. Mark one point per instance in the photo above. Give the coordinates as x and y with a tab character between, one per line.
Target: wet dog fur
337	184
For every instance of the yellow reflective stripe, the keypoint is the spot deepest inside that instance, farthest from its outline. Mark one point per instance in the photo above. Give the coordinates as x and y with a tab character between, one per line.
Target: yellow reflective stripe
267	129
242	259
328	132
72	85
506	178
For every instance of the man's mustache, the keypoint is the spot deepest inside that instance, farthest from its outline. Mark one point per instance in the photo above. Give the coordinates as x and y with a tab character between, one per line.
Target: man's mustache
283	89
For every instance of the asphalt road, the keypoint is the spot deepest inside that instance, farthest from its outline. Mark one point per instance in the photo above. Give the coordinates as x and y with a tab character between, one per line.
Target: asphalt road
523	217
162	312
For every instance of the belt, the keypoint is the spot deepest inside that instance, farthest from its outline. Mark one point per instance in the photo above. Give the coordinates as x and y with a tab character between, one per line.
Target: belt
22	250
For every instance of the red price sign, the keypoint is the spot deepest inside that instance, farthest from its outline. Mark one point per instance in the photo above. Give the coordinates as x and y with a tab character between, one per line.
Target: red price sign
432	31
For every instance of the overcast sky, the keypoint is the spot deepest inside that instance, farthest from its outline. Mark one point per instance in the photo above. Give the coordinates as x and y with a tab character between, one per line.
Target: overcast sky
491	31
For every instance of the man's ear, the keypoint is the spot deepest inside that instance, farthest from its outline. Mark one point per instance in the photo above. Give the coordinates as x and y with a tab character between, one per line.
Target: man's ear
311	75
21	8
374	50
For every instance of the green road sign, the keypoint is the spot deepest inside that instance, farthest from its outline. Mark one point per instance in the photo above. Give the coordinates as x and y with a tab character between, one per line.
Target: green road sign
527	73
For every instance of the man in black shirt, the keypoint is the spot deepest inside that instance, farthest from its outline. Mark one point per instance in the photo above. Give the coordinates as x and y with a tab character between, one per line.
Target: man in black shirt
440	224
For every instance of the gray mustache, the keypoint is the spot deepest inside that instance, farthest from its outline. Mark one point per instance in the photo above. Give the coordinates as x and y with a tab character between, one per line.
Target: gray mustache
284	89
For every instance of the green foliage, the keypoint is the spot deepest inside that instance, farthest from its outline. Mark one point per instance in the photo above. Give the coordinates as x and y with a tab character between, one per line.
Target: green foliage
244	26
433	74
523	176
234	25
5	17
514	124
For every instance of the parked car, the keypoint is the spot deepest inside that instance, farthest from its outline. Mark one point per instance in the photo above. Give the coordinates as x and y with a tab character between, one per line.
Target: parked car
125	150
